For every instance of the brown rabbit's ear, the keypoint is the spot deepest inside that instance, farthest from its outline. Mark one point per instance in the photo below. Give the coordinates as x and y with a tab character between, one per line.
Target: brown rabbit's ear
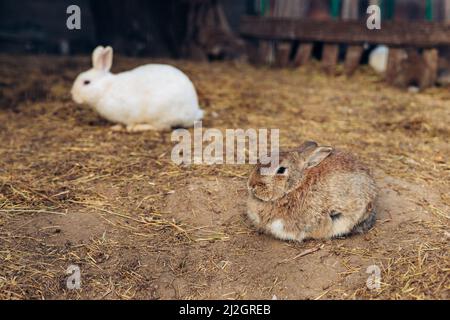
307	145
294	178
102	58
317	156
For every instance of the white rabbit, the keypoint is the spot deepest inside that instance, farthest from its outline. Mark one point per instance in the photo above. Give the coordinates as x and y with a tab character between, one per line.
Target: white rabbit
150	97
378	59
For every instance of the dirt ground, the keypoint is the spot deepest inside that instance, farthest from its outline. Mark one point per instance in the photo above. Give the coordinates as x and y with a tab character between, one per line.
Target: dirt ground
72	192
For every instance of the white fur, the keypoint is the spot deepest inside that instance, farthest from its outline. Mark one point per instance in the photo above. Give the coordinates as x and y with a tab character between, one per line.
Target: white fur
341	226
159	96
378	59
276	228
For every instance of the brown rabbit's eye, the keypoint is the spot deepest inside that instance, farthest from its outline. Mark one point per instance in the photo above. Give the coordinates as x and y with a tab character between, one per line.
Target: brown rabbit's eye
87	82
281	170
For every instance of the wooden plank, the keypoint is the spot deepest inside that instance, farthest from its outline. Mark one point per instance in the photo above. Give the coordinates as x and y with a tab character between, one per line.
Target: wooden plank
290	8
408	10
438	10
392	33
265	53
447	10
252	49
330	58
395	58
303	54
283	52
431	58
350	9
352	59
320	10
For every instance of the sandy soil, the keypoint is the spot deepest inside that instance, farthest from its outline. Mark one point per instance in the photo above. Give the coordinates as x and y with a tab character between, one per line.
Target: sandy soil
74	193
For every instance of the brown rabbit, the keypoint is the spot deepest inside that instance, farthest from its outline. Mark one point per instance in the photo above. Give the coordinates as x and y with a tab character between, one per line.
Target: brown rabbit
315	193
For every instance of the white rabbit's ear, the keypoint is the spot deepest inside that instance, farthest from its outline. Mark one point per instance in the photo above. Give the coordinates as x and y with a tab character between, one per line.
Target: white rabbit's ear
96	55
102	58
317	156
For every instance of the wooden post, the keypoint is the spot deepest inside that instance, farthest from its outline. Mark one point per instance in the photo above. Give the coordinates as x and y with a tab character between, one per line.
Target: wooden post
330	58
352	59
350	11
289	9
265	52
303	54
395	57
431	58
283	52
326	10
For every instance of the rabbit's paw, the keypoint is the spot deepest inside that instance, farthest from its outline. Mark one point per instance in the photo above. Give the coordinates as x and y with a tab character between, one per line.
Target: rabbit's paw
140	128
118	128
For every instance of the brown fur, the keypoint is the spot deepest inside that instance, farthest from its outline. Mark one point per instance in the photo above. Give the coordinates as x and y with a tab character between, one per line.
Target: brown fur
305	199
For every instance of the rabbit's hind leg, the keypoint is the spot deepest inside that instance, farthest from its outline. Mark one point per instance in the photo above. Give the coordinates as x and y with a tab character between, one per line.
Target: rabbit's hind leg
365	225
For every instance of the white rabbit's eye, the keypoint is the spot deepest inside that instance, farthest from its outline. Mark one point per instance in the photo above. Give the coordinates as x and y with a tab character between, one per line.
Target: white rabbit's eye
87	82
281	170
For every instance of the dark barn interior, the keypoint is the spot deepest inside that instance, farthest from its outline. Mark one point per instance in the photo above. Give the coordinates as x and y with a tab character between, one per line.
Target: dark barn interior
137	28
